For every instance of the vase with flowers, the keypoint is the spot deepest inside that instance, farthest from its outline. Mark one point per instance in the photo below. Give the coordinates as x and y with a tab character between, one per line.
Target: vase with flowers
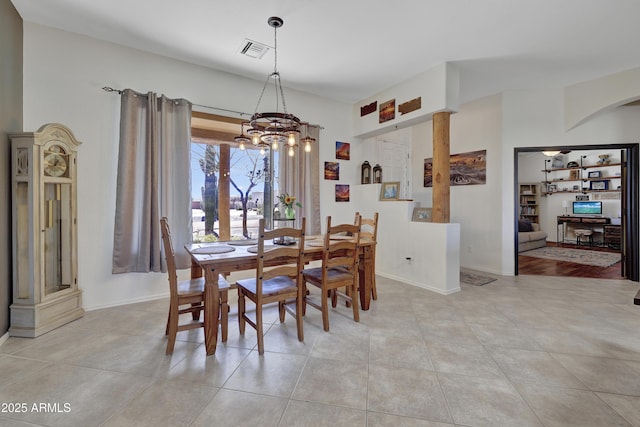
289	202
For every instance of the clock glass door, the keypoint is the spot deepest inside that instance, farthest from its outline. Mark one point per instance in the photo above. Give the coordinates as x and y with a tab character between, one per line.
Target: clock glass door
57	231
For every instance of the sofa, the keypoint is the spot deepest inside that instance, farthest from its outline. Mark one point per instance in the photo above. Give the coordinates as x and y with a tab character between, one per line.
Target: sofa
530	236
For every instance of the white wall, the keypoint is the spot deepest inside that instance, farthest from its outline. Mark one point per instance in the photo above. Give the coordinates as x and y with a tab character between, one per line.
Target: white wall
477	126
536	119
63	74
63	77
586	99
10	121
499	124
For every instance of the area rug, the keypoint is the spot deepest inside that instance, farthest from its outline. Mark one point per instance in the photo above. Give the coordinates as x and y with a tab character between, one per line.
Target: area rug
579	256
475	279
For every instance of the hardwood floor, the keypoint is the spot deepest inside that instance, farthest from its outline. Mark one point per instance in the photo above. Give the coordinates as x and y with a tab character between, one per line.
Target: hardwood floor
547	267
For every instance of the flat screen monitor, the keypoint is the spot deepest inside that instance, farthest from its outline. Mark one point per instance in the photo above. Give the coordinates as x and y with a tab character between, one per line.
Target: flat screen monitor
587	208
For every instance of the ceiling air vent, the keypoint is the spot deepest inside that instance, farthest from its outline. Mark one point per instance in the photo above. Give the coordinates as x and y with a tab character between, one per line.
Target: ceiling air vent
253	49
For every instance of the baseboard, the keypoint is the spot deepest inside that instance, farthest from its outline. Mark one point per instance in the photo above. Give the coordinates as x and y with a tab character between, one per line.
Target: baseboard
4	338
127	302
418	285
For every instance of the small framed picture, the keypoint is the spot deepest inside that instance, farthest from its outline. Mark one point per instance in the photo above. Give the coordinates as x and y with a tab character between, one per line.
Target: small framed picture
390	191
343	150
558	161
599	185
332	170
595	174
421	215
552	188
342	192
576	188
574	175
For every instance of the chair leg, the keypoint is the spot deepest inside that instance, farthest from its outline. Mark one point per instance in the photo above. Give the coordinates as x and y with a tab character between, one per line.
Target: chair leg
281	310
354	304
334	298
304	299
224	315
195	314
241	311
173	329
166	331
374	291
325	309
259	330
299	303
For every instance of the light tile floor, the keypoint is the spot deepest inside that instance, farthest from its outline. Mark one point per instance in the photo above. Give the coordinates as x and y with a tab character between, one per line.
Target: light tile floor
521	351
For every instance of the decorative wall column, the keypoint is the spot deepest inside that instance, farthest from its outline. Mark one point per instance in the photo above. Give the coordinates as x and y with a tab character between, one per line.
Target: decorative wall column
441	153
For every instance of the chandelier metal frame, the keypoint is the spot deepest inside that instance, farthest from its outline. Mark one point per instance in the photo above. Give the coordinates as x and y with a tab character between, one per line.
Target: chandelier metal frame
269	130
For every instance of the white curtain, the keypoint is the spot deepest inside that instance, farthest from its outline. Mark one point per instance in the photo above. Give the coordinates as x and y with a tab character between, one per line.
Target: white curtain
300	176
153	181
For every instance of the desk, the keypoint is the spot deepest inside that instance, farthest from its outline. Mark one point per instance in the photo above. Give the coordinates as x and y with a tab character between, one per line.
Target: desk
589	222
241	259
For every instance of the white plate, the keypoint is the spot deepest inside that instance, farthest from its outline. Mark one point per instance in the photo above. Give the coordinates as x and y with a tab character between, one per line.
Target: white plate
247	242
254	249
213	250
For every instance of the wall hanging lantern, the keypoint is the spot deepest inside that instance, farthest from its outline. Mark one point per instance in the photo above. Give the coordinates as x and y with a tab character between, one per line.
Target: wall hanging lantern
365	173
377	174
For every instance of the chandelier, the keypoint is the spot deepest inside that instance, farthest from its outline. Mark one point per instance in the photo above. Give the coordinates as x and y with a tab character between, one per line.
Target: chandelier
274	129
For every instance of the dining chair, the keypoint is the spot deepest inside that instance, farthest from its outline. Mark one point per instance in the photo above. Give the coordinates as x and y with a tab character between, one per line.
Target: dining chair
281	283
189	293
339	269
369	231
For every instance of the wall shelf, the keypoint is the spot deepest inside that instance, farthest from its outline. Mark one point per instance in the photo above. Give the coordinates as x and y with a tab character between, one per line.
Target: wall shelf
577	174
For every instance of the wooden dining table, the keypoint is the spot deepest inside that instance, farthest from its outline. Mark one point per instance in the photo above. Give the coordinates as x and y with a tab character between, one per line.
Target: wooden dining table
217	258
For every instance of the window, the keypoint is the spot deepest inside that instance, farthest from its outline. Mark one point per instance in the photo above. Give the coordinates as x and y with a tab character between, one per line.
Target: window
216	213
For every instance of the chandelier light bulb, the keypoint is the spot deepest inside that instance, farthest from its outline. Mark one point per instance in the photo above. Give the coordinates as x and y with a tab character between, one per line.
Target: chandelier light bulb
291	152
275	145
255	139
292	140
241	146
307	146
262	152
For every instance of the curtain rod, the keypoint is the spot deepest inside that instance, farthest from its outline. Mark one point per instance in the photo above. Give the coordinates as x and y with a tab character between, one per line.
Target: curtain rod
119	92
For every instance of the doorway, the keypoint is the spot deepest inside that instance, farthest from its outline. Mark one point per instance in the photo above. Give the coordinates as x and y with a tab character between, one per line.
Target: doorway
617	190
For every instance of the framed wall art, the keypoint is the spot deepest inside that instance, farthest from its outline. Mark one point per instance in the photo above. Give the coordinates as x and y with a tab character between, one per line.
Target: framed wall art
342	192
390	191
464	169
387	111
599	185
332	170
343	150
421	215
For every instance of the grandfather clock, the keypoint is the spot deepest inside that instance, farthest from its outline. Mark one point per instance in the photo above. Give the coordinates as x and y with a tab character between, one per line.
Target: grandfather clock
45	248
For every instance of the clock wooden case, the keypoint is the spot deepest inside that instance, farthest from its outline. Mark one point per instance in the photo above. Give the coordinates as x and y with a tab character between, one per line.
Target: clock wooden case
44	223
